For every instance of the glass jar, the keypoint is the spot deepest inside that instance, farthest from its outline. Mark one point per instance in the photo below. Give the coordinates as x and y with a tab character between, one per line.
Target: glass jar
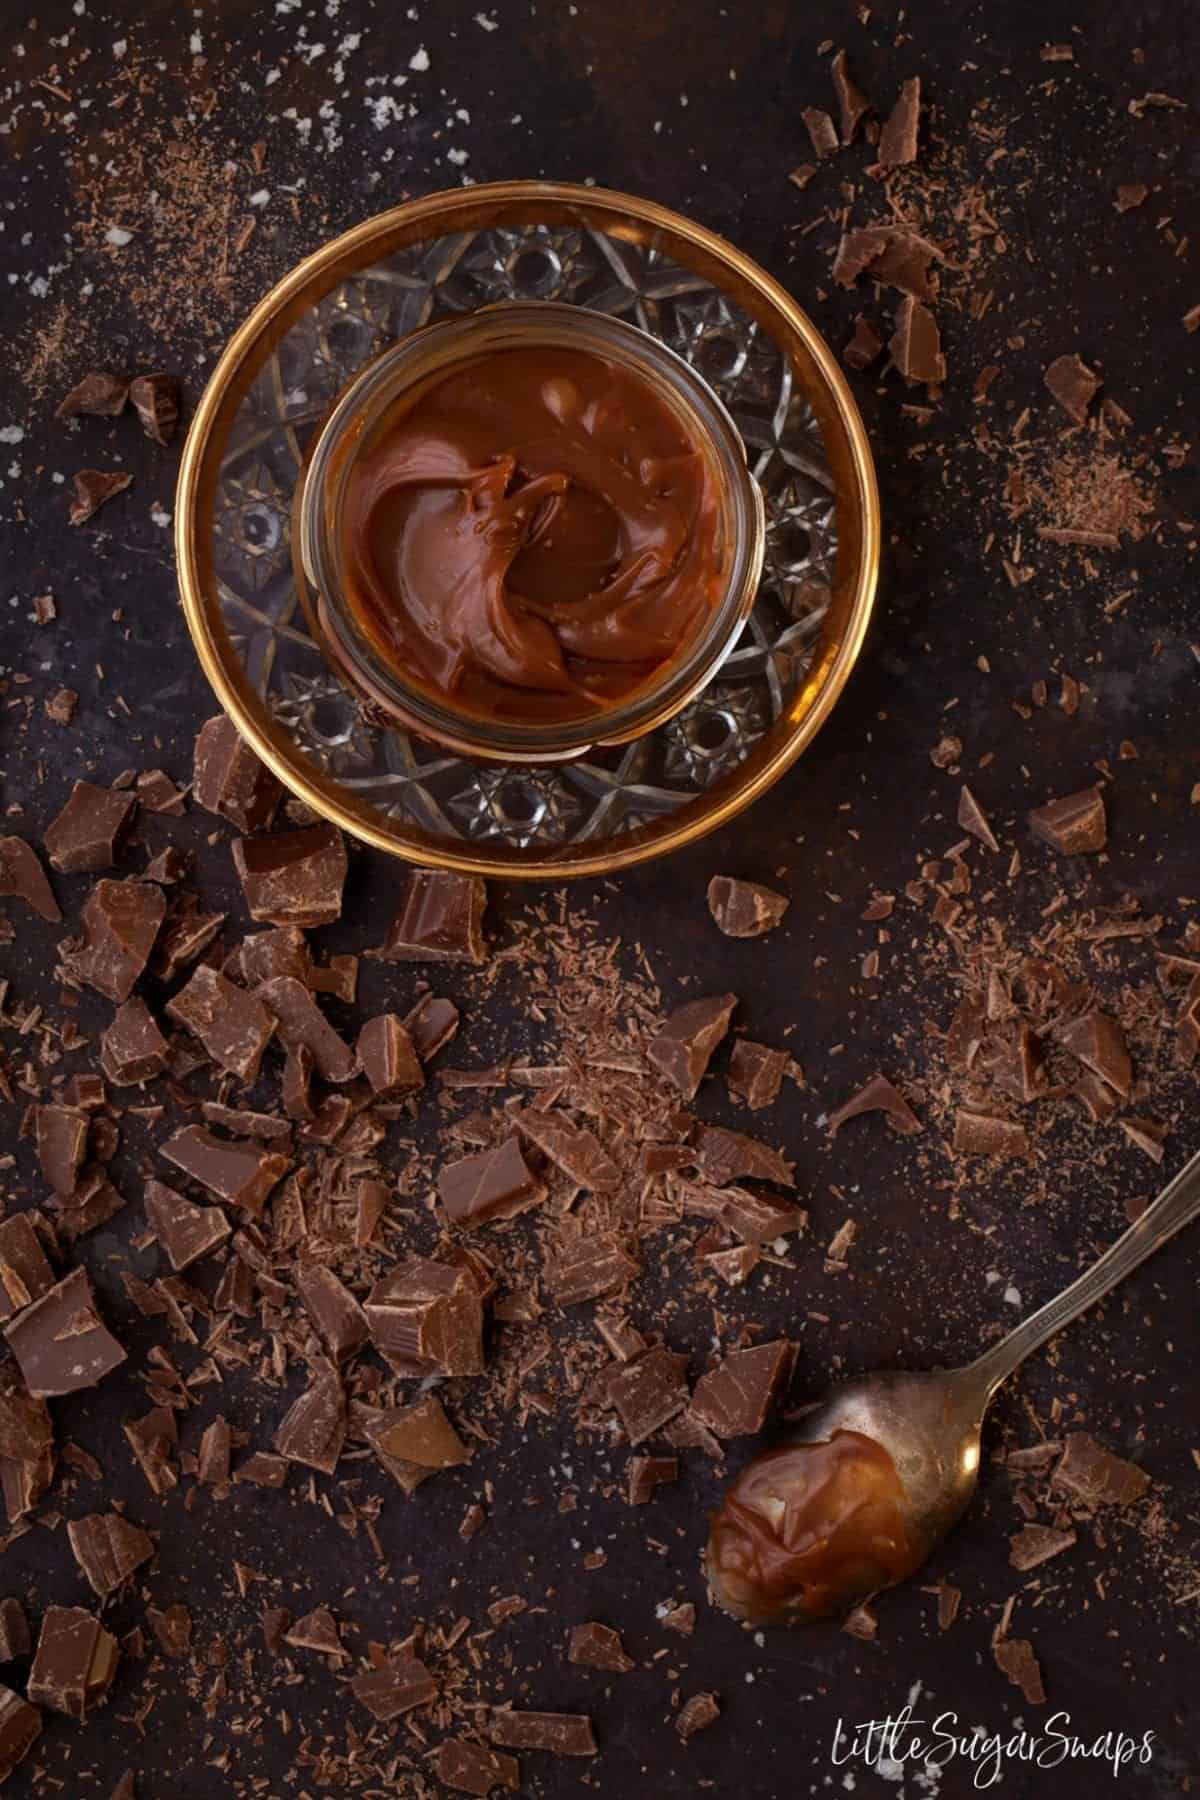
434	353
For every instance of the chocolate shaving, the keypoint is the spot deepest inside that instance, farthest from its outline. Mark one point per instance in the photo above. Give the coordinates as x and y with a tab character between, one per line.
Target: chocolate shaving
440	920
60	1342
228	778
495	1184
23	878
735	1398
683	1046
1146	1135
100	393
560	1734
877	1095
85	834
431	1024
94	488
156	400
744	909
1073	385
647	1473
317	1631
293	877
916	344
901	128
894	255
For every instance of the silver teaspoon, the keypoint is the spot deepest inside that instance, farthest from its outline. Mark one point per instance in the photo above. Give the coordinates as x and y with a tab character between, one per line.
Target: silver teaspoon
870	1481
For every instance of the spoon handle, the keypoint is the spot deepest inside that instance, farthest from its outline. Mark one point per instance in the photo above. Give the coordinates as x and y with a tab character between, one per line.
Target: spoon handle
1175	1207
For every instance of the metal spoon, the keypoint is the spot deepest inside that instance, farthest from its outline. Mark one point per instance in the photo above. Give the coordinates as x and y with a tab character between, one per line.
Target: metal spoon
929	1424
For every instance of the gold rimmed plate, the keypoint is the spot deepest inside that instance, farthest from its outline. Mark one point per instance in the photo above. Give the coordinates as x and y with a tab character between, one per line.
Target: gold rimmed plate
449	254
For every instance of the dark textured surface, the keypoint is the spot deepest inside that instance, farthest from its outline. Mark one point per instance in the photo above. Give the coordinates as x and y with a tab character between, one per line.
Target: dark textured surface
599	90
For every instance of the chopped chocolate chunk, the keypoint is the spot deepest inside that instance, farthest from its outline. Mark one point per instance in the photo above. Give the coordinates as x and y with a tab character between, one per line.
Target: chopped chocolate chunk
60	1342
983	1134
414	1442
1073	825
120	923
562	1734
99	393
296	1087
587	1269
263	1469
852	102
242	1121
14	1636
697	1714
25	1274
75	1662
265	954
683	1047
1096	1476
388	1057
229	779
213	1458
233	1026
724	1156
293	877
172	1627
395	1687
185	1231
242	1174
1036	1544
471	1768
108	1548
898	139
734	1266
821	130
186	934
648	1392
133	1049
301	1024
440	920
1015	1658
26	1433
94	488
894	255
428	1317
431	1024
62	1135
877	1095
596	1646
916	344
495	1184
1073	385
647	1473
734	1398
1099	1043
156	399
20	1728
23	877
744	909
318	1631
158	793
60	705
313	1430
85	834
333	1310
865	347
681	1619
972	818
573	1148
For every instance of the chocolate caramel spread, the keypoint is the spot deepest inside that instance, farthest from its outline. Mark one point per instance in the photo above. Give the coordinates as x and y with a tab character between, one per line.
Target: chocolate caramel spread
807	1531
533	536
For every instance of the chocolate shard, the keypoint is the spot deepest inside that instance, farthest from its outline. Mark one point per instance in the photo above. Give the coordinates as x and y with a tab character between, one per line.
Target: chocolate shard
26	1433
495	1184
243	1121
172	1627
228	778
588	1268
263	1469
25	1274
414	1442
14	1640
394	1688
20	1728
388	1057
1095	1475
60	1342
293	877
471	1768
683	1047
108	1548
318	1630
186	934
214	1456
153	1439
1099	1043
313	1430
723	1156
744	909
821	131
133	1049
1147	1135
735	1398
853	104
428	1317
901	128
649	1391
864	347
296	1086
596	1646
1073	385
561	1734
1075	825
120	923
972	818
756	1073
894	255
265	954
75	1662
431	1024
22	877
240	1174
1015	1658
574	1149
61	1133
334	1311
156	400
984	1134
1033	1545
94	488
440	920
100	393
877	1095
85	835
916	344
302	1025
647	1473
185	1231
233	1026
